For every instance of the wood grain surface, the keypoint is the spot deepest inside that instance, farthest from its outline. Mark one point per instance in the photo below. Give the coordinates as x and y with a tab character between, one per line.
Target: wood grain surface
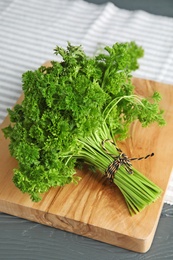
92	208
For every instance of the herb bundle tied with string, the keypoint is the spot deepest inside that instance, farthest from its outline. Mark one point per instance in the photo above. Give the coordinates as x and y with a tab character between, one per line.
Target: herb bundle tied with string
75	111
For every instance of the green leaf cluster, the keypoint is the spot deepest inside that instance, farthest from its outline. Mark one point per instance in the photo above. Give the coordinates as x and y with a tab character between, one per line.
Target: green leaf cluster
69	101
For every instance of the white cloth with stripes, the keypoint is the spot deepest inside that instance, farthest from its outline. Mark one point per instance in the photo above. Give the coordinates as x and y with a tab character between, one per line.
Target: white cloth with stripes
30	30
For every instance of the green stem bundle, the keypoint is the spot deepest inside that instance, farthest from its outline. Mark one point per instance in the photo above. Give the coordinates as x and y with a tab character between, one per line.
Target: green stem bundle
136	188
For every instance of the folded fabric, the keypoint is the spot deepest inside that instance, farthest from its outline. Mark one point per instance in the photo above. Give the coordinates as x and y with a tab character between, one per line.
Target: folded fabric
30	30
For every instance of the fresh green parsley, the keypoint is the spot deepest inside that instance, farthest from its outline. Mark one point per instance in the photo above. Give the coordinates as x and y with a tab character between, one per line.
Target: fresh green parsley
69	102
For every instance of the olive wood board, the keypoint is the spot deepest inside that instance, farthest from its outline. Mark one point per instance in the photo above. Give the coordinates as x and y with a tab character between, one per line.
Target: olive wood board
94	208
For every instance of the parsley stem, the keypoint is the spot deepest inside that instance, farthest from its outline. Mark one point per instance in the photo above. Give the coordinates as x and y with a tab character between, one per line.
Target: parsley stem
137	189
112	104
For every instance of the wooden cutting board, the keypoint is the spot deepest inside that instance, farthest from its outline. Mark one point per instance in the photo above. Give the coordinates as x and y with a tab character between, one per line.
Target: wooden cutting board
93	208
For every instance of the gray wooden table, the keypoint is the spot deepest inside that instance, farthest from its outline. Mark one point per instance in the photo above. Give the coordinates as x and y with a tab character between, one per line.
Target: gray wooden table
21	239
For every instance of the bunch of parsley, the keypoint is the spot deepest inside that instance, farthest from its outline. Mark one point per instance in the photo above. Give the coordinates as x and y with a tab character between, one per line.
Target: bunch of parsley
67	103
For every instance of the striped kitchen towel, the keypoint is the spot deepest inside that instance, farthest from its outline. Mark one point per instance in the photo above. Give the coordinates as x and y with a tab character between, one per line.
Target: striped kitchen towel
30	30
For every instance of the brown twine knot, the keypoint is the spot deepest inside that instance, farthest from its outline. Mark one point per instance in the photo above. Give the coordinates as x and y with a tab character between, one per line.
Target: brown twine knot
121	159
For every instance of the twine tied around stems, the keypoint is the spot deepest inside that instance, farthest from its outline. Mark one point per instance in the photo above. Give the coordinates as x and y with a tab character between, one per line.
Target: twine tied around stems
121	159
